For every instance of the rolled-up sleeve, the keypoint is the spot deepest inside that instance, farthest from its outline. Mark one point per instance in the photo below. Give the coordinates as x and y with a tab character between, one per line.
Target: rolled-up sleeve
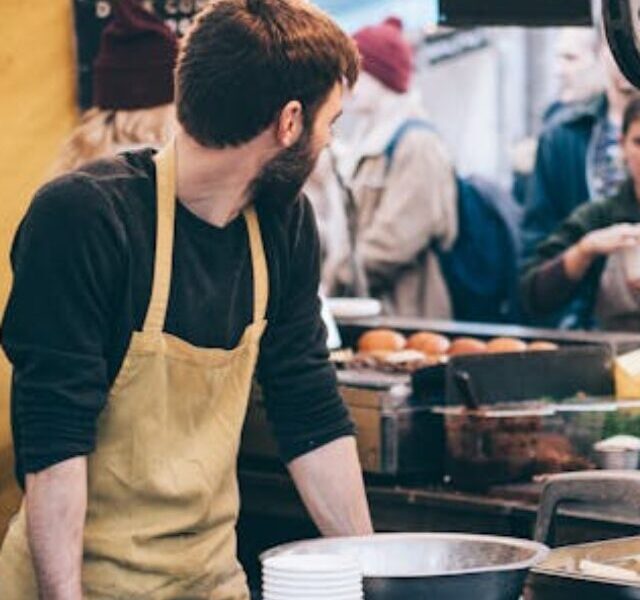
66	258
298	381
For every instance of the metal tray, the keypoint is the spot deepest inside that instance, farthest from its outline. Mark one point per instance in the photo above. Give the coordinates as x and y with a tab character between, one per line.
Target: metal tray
618	343
514	377
562	574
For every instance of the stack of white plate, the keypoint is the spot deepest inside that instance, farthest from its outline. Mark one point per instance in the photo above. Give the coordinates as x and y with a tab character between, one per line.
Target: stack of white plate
311	577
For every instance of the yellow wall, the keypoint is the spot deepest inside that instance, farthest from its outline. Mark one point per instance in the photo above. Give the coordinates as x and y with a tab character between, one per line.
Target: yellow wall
37	110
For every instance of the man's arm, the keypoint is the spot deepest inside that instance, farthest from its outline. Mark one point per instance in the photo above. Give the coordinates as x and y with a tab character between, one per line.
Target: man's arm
330	483
56	502
310	421
68	260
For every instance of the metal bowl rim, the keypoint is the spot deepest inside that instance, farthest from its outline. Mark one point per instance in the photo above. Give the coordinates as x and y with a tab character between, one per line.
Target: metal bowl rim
540	551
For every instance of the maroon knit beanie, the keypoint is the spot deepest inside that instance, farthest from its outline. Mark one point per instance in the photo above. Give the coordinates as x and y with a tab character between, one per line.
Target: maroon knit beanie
386	54
134	66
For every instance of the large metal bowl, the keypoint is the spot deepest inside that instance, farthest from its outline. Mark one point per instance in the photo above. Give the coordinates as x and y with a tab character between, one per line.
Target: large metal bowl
433	565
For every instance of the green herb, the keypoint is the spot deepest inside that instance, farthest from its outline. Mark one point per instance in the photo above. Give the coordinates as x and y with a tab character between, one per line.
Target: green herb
621	423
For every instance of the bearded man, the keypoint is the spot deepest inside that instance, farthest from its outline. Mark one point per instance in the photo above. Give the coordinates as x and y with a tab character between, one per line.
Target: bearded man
147	291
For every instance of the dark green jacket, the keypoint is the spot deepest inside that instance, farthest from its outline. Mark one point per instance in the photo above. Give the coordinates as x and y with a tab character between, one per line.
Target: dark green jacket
559	180
622	208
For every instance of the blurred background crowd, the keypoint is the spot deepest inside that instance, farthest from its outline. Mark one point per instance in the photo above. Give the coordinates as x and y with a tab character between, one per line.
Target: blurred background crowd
482	174
494	182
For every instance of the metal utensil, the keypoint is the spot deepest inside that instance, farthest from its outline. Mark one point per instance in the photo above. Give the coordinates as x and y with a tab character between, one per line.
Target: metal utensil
615	487
563	574
467	390
560	576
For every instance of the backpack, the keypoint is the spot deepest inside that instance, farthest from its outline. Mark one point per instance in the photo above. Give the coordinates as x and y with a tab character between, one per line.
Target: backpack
480	269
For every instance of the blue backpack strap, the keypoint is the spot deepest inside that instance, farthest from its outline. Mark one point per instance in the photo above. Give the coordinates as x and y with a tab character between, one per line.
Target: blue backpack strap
390	150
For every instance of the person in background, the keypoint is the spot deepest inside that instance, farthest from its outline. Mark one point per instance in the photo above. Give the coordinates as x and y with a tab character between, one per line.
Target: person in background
580	77
588	253
579	67
397	182
132	89
326	194
578	160
148	288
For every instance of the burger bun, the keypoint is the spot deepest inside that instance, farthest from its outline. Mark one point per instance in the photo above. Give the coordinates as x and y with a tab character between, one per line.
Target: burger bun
381	340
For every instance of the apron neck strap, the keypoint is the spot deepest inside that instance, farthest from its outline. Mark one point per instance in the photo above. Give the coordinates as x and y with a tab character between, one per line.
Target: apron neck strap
166	207
259	261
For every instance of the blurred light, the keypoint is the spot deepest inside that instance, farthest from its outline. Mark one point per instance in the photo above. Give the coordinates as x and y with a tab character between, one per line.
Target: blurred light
354	14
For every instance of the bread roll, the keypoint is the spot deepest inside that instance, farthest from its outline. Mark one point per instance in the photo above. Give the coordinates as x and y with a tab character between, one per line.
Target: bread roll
467	345
381	340
431	344
505	344
540	345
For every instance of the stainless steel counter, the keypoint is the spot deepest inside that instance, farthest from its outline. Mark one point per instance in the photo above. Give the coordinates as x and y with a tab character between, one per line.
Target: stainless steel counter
620	342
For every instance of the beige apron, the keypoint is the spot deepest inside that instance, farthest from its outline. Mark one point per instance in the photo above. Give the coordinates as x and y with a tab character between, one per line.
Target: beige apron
162	487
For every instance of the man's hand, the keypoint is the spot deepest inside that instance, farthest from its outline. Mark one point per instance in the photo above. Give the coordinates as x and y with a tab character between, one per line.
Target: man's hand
330	483
56	502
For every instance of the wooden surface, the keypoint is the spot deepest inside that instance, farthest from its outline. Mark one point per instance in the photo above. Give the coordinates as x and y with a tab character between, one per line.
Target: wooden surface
37	108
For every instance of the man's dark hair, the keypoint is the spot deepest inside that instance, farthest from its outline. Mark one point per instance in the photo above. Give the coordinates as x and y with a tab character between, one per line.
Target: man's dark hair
243	60
631	114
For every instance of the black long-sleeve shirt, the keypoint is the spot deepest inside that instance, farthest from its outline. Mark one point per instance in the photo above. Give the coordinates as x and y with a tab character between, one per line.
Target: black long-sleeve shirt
83	259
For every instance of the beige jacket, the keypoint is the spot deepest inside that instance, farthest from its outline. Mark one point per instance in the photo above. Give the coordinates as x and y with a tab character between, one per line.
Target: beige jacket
401	212
327	197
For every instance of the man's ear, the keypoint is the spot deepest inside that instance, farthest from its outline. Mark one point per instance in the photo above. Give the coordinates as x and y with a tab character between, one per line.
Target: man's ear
290	124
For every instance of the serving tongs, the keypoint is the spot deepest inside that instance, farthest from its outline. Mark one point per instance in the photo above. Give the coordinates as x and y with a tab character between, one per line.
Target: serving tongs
467	390
473	407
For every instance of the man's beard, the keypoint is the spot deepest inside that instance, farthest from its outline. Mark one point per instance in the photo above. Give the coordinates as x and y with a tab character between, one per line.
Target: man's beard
281	180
